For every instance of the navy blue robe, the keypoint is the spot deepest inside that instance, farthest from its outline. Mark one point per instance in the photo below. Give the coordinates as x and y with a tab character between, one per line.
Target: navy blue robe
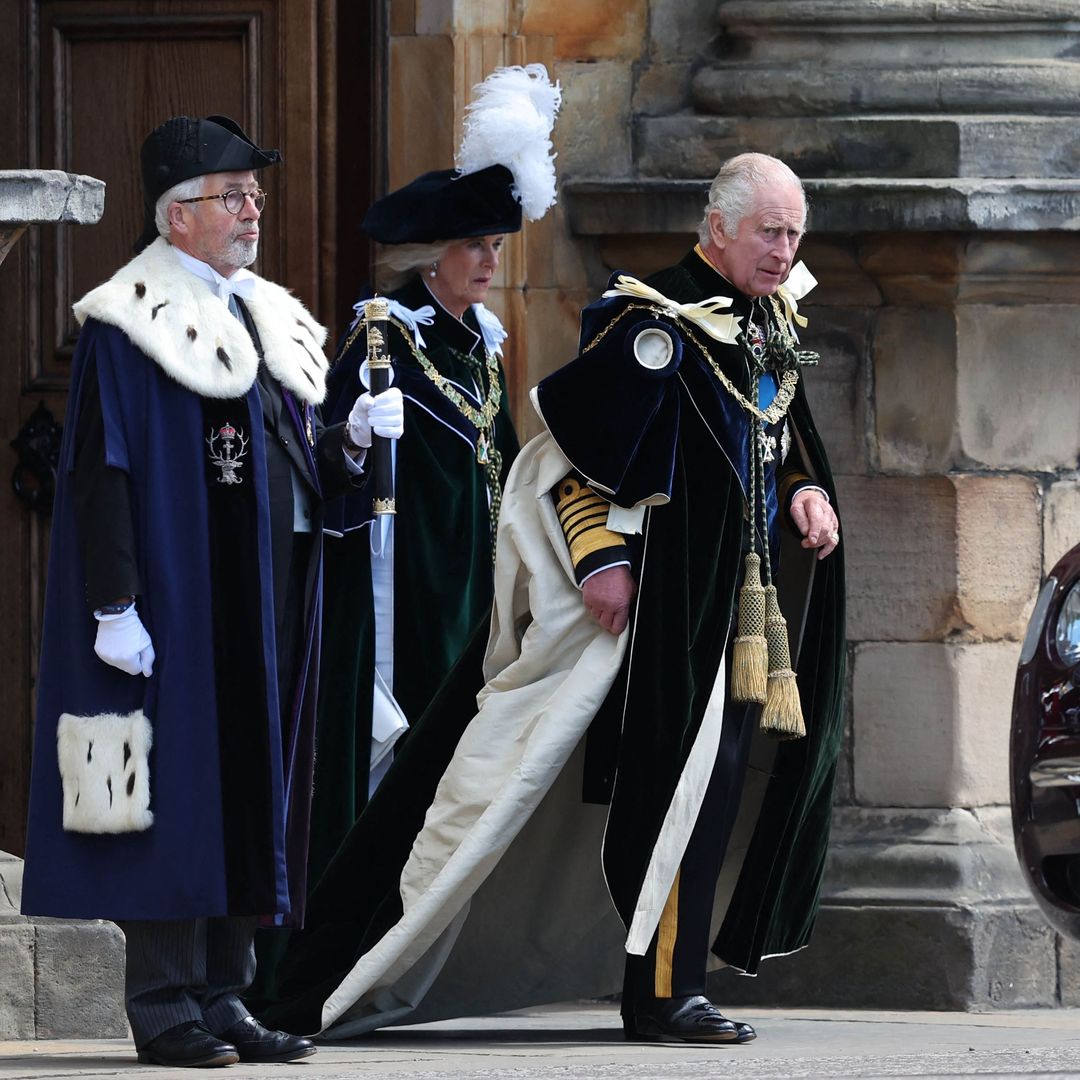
214	637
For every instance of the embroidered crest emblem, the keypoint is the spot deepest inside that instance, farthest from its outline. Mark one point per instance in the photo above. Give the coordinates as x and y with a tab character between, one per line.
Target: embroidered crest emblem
227	450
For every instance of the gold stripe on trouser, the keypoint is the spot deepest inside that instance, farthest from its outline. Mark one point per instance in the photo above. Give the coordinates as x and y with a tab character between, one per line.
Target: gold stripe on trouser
666	933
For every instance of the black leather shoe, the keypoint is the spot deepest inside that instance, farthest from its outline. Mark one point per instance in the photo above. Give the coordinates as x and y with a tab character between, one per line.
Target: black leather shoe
256	1043
684	1019
188	1045
746	1032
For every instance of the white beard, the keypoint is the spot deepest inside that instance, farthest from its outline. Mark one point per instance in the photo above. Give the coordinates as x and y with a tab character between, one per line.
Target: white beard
240	253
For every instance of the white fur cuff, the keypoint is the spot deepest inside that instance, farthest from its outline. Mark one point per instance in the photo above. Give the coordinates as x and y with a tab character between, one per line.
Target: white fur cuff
105	770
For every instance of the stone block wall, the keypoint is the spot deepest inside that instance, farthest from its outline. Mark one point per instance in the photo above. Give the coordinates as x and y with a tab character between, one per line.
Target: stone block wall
58	979
938	138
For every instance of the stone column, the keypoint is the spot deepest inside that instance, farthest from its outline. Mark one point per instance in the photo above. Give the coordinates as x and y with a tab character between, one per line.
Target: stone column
58	979
940	142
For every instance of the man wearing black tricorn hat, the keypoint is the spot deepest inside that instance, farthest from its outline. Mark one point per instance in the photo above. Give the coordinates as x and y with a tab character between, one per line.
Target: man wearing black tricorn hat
174	737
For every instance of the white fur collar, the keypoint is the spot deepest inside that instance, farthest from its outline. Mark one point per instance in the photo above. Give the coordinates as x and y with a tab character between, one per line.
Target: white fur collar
175	318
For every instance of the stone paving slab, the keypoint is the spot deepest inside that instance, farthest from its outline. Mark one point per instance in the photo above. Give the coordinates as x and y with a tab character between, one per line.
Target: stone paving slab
584	1042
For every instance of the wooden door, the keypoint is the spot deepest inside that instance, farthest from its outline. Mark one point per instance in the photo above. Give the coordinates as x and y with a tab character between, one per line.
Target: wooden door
83	82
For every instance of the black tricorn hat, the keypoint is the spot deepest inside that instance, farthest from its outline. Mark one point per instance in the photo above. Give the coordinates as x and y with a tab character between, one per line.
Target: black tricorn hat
184	147
446	205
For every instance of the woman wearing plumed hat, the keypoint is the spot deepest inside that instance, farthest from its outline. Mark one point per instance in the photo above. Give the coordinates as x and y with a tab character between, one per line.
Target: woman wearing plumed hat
404	594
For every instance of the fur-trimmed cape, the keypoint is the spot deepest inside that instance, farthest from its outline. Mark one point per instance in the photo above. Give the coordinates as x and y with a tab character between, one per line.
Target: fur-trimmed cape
229	768
177	320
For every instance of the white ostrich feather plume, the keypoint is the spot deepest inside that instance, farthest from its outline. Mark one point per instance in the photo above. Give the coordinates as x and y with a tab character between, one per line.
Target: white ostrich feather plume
509	123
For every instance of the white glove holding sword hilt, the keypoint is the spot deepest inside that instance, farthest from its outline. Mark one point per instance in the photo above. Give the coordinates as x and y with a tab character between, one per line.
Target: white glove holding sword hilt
383	415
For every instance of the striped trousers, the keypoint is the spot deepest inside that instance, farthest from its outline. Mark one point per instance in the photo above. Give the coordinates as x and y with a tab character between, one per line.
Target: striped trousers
676	962
187	969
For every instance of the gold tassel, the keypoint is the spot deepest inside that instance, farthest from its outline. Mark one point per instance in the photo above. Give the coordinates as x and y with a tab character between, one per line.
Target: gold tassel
750	656
782	715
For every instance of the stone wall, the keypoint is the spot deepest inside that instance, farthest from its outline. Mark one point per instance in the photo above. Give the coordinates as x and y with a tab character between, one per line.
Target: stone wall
939	143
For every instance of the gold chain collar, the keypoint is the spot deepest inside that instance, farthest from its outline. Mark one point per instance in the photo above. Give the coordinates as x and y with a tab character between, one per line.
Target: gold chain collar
483	418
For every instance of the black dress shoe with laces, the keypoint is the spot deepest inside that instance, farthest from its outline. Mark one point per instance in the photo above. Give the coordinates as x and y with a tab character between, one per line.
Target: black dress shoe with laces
192	1045
684	1019
258	1044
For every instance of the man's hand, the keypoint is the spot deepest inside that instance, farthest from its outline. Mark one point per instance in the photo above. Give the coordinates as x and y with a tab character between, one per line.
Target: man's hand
383	416
123	642
608	595
816	520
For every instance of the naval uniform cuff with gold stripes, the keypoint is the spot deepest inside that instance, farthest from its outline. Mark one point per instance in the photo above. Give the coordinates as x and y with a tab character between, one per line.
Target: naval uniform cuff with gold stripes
583	517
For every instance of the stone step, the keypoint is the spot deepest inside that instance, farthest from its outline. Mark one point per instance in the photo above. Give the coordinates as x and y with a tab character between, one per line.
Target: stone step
921	909
59	979
738	88
685	146
653	207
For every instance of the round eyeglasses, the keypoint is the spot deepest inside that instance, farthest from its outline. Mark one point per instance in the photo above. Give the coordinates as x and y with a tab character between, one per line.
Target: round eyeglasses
234	199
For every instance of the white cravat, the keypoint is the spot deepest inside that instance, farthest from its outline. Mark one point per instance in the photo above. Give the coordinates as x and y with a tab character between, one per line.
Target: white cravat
491	330
241	283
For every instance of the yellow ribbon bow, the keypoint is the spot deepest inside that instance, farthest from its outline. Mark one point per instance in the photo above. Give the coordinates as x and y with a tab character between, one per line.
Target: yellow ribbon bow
799	282
723	328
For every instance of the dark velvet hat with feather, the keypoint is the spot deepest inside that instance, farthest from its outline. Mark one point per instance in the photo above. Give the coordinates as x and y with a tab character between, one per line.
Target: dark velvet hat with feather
505	168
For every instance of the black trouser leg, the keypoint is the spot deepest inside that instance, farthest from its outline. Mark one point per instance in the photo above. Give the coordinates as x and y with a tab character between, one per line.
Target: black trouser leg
164	974
179	970
676	960
230	968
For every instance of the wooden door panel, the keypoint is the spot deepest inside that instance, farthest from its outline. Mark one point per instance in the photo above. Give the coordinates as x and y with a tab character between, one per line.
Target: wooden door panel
128	63
90	67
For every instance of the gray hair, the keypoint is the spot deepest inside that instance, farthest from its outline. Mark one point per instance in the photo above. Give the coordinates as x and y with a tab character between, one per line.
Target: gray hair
732	191
186	189
396	263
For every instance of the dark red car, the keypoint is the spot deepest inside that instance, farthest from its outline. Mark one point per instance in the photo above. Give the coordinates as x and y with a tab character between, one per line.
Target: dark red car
1044	761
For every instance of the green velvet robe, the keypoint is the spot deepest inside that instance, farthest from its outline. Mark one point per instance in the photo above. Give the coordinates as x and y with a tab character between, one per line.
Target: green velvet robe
686	609
442	558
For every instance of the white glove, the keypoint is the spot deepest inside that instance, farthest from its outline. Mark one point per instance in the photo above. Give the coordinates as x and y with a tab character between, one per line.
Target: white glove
383	415
123	642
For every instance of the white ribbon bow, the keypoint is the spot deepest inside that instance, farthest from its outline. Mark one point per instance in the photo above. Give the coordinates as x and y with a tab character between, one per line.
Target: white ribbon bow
491	330
799	282
241	283
704	313
424	316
